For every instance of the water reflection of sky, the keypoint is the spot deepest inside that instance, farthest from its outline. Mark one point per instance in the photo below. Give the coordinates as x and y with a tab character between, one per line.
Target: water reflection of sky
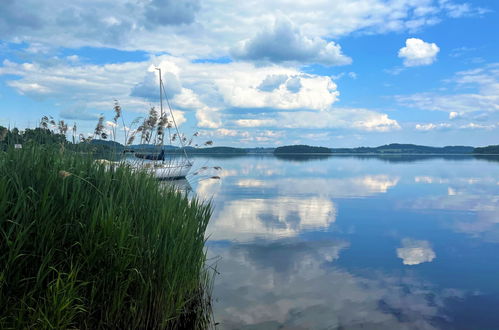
355	243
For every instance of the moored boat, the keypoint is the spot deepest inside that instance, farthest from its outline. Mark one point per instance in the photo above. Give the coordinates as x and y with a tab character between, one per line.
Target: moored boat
158	164
169	170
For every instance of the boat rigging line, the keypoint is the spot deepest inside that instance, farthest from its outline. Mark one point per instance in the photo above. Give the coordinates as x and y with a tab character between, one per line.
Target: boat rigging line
161	93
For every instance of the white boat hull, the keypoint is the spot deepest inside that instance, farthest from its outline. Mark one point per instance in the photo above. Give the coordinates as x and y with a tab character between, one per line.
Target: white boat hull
168	171
164	170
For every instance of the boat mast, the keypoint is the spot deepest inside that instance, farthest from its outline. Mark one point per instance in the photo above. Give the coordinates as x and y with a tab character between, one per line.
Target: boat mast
161	91
161	106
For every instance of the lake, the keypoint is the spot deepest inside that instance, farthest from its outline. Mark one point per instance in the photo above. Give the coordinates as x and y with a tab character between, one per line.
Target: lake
397	242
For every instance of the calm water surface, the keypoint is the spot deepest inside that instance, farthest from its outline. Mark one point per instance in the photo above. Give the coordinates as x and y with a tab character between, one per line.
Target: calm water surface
344	242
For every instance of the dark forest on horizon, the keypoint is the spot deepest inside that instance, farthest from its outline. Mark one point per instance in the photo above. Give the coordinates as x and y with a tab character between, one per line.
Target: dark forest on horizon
46	136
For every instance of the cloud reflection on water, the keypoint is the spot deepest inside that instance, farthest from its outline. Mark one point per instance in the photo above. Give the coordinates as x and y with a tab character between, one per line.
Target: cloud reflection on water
414	252
360	186
247	219
478	195
285	266
294	284
301	204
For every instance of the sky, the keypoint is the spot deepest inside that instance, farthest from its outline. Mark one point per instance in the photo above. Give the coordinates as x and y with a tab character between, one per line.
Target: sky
342	73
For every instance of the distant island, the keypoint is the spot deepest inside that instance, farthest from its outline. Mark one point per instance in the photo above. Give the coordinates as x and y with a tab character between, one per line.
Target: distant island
397	148
487	150
301	149
44	136
393	148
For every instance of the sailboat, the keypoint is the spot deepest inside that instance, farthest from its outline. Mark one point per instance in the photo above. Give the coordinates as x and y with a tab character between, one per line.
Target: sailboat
160	165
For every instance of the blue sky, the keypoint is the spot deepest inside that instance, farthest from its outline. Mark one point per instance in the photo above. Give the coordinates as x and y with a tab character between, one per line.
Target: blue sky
333	73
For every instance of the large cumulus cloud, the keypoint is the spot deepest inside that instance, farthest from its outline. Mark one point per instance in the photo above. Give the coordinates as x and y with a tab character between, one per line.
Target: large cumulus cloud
284	42
281	97
211	28
118	23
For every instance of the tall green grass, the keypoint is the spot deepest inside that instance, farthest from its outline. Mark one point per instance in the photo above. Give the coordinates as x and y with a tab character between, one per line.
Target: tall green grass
88	246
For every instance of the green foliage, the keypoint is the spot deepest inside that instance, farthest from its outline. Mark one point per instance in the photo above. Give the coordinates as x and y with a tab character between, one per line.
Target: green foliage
397	148
494	149
30	136
45	136
9	136
97	246
3	133
301	149
42	136
393	148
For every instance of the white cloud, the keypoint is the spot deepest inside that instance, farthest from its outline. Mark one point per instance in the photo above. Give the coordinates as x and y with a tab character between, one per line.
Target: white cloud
73	58
240	85
255	122
227	132
82	88
284	42
210	28
179	117
30	88
430	180
456	10
148	88
470	102
485	98
414	252
241	89
208	119
245	136
212	91
442	126
350	118
111	124
477	126
231	133
170	12
431	126
417	52
286	34
95	86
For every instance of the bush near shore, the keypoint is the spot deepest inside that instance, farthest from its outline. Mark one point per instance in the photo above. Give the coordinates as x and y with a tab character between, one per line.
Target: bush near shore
90	246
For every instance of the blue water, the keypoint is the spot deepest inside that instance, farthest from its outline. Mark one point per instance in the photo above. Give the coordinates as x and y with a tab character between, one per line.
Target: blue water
350	243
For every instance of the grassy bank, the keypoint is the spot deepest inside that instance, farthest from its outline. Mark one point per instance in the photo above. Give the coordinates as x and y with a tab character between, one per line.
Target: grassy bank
86	247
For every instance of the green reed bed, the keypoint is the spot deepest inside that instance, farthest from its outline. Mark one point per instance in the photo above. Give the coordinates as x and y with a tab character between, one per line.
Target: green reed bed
89	246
